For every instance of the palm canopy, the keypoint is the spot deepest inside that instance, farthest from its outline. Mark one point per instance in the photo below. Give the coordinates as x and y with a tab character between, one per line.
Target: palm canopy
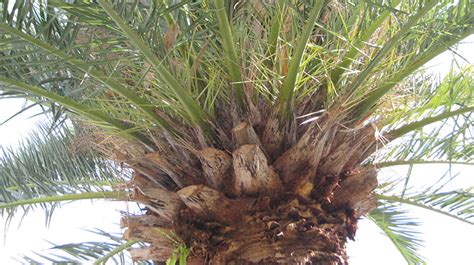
177	77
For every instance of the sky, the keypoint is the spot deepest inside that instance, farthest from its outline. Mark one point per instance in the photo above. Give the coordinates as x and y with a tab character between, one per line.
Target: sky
447	241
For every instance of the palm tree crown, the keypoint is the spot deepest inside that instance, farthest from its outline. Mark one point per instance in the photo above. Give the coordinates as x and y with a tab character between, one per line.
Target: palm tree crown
253	131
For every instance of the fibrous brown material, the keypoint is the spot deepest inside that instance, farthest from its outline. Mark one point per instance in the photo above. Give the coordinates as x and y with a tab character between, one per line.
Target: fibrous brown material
211	204
292	232
162	202
151	253
348	151
217	167
277	136
239	207
299	164
244	133
252	173
354	189
143	220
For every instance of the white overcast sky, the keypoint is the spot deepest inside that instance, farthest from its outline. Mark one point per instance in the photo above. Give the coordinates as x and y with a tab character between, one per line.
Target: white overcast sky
447	241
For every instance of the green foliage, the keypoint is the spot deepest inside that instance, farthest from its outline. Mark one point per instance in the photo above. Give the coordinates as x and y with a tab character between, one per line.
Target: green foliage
50	164
179	256
287	91
138	69
230	53
395	221
400	228
447	140
192	108
82	110
172	66
456	204
110	249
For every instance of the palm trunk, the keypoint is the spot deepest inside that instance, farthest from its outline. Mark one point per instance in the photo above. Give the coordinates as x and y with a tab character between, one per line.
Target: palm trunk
241	209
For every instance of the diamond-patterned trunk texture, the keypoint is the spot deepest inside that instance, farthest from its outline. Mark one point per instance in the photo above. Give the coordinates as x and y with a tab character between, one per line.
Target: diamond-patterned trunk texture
245	206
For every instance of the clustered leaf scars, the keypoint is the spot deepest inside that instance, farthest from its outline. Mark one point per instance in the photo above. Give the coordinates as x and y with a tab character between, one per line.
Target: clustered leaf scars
249	126
239	206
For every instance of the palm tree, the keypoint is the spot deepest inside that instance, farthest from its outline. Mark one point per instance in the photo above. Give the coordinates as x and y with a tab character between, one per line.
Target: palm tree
253	130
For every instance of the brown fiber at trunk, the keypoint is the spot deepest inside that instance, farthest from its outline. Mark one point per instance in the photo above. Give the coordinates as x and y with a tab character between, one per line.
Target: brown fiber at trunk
240	208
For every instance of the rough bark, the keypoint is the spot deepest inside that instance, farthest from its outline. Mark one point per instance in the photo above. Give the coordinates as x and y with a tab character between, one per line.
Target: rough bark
217	167
292	233
164	203
143	220
278	134
151	253
181	174
148	234
298	166
144	176
252	174
355	190
211	204
161	243
349	151
159	254
243	134
299	210
365	206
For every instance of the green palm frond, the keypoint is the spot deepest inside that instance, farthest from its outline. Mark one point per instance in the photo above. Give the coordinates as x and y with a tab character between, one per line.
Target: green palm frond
431	146
276	28
115	251
450	142
288	88
427	36
77	64
100	117
456	204
179	256
192	108
230	53
401	229
49	166
128	39
452	97
359	38
172	74
431	132
389	45
110	249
